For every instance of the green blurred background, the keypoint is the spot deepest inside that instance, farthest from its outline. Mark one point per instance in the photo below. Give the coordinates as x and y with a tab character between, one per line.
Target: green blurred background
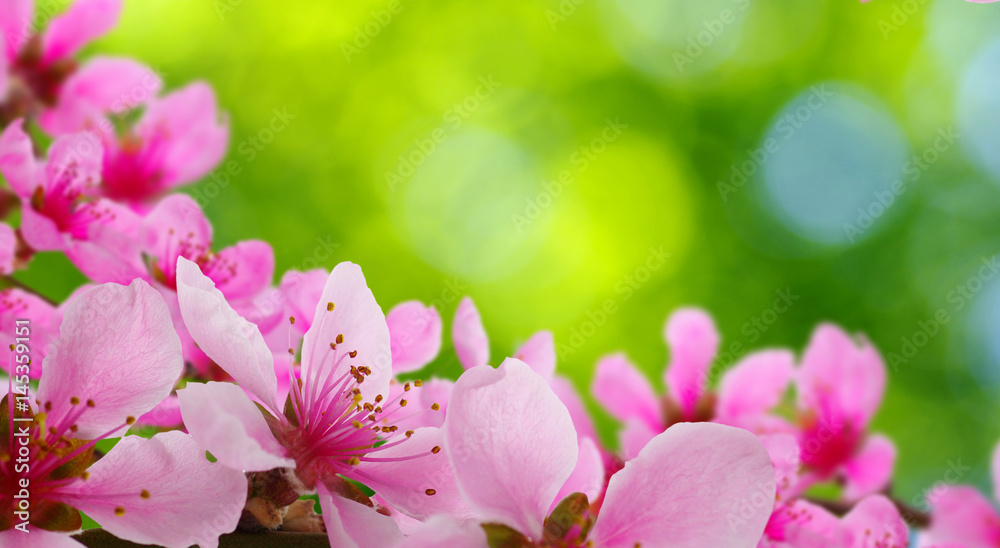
364	86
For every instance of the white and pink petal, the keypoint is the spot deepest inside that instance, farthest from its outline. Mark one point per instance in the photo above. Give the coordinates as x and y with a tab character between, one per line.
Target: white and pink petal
108	333
511	442
161	491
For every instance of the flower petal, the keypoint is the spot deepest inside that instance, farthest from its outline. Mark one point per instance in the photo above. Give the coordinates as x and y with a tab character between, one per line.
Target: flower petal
693	486
351	524
244	269
634	436
4	70
187	124
301	291
511	442
103	85
870	470
841	378
587	476
962	515
231	341
167	414
803	524
171	494
40	232
540	353
693	342
415	334
76	159
15	25
875	520
111	251
754	386
469	336
624	391
109	333
37	538
266	309
357	316
783	449
404	483
433	391
85	20
994	471
445	532
15	305
227	424
176	227
17	159
568	395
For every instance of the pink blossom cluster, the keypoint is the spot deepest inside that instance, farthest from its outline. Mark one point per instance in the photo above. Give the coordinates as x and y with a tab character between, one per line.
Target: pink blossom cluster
299	388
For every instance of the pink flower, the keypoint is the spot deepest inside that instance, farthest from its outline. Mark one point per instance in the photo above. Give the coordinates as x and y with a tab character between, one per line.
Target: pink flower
16	304
962	516
109	333
177	227
34	66
101	87
336	420
745	396
873	523
178	139
840	385
60	210
515	456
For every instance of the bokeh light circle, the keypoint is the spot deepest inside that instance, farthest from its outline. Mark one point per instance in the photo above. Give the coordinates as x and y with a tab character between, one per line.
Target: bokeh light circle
956	31
675	39
983	344
832	164
978	108
460	204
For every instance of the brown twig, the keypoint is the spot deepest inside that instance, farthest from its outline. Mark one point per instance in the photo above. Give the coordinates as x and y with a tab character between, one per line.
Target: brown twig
11	282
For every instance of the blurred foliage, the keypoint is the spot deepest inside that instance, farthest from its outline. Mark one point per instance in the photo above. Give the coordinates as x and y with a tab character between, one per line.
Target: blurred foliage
563	68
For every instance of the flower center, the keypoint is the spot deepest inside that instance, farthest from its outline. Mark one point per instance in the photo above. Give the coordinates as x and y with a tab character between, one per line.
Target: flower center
134	171
34	84
333	429
38	459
